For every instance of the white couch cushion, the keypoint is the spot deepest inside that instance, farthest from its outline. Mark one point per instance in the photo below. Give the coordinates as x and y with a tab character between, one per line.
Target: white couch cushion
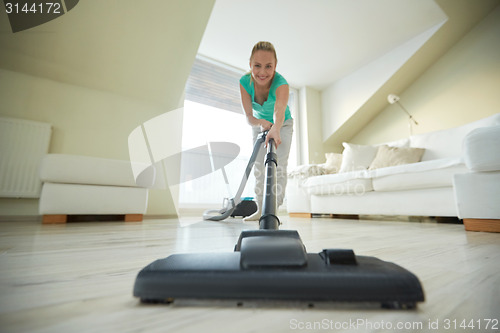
74	169
448	142
353	186
482	149
355	182
415	167
441	177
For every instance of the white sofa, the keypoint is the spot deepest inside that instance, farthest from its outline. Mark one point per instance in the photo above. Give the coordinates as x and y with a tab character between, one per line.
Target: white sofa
424	188
81	185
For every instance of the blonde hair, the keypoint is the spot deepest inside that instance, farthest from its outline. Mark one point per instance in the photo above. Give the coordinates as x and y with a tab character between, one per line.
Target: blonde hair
262	46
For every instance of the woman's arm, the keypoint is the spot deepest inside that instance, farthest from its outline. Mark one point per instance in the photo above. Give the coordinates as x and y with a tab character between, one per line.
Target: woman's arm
246	102
282	93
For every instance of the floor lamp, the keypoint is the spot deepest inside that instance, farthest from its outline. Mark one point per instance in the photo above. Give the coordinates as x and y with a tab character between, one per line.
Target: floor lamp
392	98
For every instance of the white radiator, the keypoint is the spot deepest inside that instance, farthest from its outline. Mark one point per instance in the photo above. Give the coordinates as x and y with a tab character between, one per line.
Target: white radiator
23	144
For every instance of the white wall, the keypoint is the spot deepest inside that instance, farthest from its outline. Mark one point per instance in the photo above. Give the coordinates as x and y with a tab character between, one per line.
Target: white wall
462	86
310	134
85	121
98	72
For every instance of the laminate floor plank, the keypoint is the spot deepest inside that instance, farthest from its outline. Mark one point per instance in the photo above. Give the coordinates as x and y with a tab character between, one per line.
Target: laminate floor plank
78	277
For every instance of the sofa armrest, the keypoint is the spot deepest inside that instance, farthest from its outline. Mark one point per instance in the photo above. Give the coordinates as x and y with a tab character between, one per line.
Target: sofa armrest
476	195
482	149
477	192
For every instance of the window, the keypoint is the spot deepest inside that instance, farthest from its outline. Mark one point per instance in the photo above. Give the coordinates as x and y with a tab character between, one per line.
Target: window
213	113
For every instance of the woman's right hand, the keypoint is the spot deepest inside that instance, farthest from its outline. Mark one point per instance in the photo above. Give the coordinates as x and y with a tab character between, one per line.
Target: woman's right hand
265	125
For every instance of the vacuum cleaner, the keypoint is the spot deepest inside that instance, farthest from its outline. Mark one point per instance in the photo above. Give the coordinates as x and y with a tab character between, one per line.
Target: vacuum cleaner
269	264
231	204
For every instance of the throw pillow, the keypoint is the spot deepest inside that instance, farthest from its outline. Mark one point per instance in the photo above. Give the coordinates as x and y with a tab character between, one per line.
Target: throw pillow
333	162
391	156
357	157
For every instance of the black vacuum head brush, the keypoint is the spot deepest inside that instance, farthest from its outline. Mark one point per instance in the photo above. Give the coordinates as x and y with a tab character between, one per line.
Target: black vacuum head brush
273	265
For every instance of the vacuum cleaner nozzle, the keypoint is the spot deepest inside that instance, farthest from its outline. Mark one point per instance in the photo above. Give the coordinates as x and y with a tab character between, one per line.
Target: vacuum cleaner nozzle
273	265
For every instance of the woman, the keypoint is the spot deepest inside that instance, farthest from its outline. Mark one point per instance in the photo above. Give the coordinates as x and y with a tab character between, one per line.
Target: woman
264	96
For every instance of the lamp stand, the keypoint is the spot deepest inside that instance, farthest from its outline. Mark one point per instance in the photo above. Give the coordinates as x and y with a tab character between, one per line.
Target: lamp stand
411	120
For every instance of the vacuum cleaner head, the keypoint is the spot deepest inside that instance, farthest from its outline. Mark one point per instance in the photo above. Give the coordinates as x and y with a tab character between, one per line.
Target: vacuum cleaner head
273	265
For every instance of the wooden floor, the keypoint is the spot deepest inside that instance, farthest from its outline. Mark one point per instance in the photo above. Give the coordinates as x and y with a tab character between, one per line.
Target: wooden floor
78	277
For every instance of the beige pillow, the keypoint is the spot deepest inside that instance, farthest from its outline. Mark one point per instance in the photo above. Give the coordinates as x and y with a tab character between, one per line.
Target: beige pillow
333	162
391	156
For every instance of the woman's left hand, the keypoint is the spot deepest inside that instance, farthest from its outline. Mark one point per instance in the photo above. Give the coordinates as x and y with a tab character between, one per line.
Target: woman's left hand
274	133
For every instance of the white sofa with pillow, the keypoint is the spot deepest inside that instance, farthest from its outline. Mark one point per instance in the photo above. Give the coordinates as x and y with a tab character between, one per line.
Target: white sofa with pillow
412	177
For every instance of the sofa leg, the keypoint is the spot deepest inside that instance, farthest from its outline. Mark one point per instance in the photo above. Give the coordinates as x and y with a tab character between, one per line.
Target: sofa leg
488	225
301	215
54	219
133	217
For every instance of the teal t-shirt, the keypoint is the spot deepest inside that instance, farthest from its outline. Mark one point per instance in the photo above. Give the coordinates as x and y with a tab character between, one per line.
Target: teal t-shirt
266	110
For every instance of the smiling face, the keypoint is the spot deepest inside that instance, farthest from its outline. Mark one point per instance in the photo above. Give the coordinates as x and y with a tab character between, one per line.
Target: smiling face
263	65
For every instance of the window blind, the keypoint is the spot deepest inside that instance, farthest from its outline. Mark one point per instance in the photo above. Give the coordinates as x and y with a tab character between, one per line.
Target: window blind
214	85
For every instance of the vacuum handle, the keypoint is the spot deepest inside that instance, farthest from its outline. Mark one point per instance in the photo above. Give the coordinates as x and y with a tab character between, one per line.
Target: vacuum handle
271	147
269	220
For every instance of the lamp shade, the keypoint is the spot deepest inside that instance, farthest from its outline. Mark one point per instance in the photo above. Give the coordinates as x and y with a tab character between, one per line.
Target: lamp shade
392	98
